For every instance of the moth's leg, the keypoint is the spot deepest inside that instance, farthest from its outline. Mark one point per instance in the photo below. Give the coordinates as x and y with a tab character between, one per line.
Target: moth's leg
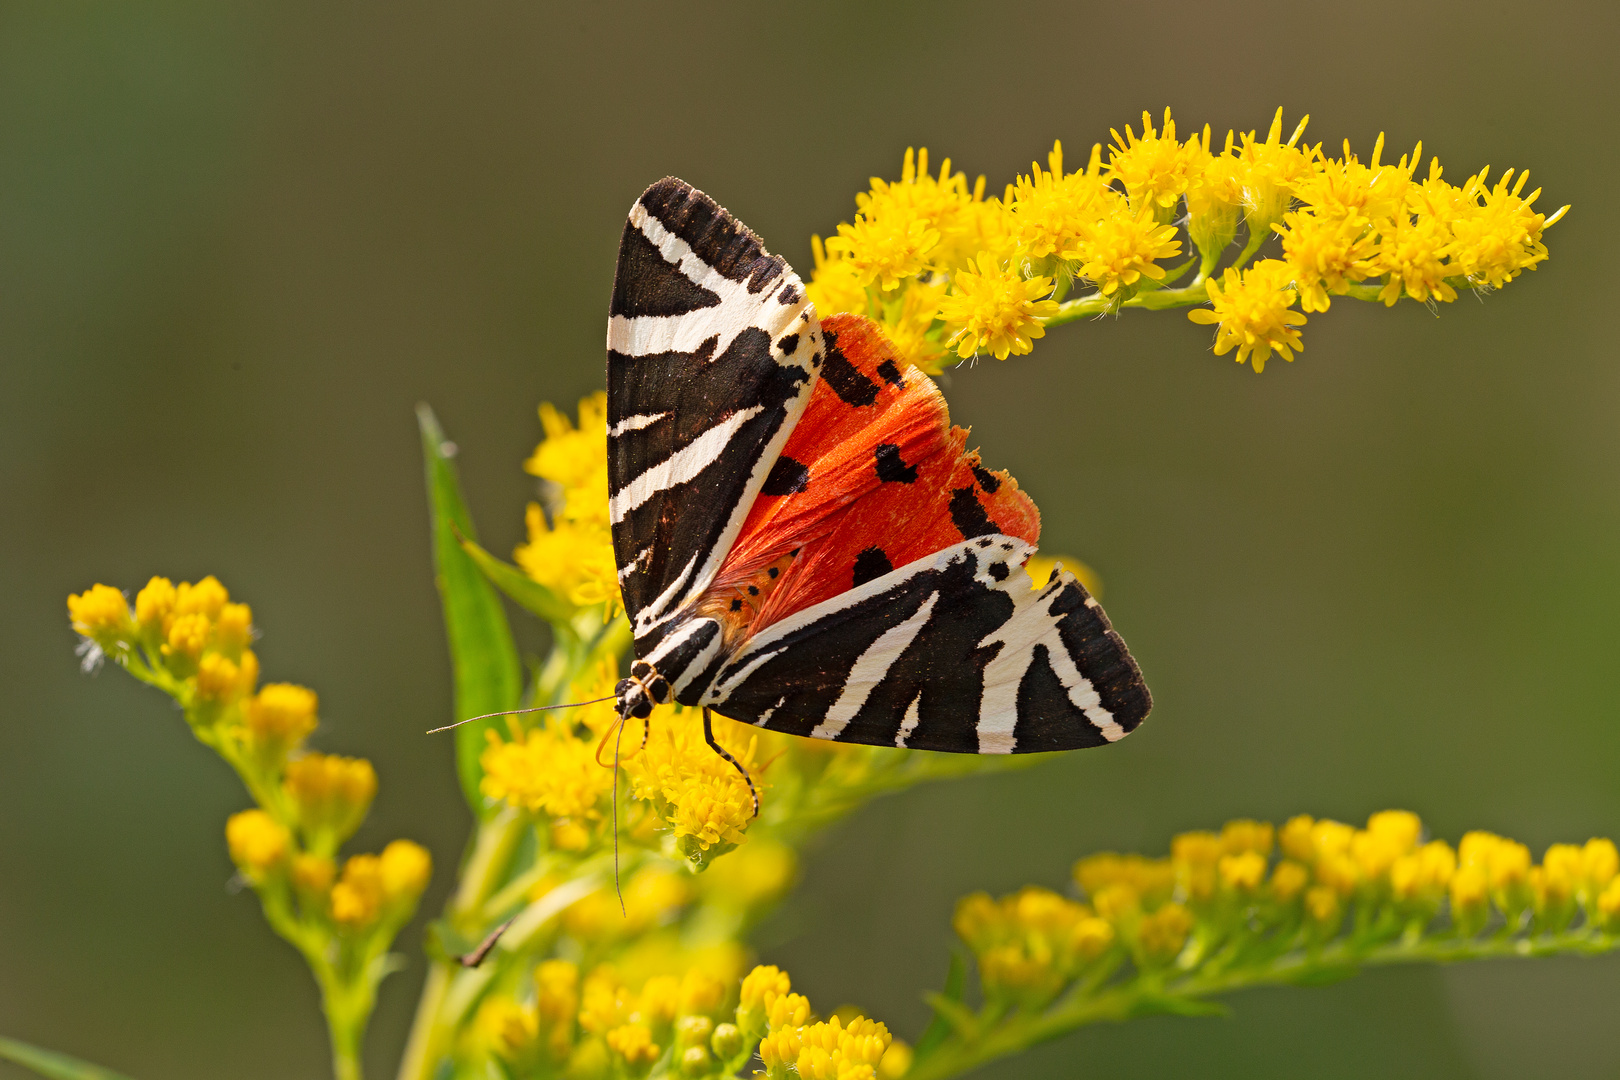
708	737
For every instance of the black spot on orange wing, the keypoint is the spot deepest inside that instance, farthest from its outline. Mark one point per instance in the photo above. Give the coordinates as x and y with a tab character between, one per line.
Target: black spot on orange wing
870	565
891	374
890	466
967	514
787	476
987	479
852	387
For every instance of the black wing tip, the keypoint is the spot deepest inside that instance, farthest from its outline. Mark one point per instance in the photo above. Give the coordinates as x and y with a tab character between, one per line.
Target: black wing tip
718	238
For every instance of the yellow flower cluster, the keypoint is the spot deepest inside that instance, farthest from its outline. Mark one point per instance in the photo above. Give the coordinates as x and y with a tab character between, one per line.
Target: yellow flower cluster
563	769
570	550
700	794
696	1025
1299	886
945	269
1032	944
790	1038
191	641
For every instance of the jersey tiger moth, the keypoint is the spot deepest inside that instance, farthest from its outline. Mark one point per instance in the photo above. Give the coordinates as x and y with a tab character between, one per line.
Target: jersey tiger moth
803	541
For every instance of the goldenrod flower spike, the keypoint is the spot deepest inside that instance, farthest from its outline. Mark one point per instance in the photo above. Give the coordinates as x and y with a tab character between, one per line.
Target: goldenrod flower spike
1254	905
947	271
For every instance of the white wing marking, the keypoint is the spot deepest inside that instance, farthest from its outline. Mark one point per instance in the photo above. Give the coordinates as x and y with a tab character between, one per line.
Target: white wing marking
681	466
870	668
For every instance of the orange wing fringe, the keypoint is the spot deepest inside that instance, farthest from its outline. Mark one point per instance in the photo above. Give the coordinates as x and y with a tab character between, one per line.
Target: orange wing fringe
873	477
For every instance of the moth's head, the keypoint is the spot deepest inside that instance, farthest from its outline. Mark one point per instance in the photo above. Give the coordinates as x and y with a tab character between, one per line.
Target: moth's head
637	695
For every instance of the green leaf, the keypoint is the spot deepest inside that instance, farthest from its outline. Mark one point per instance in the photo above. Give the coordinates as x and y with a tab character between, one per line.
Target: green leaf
485	661
940	1027
50	1063
527	592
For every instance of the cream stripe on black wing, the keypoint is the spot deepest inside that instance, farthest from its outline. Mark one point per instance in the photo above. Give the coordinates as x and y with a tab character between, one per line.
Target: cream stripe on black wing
952	652
712	354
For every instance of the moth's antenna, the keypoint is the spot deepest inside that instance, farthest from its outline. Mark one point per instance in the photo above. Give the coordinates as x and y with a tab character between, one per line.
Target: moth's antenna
514	712
617	887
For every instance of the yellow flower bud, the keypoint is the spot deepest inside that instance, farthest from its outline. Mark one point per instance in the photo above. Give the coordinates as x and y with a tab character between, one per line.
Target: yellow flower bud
1470	893
233	629
313	874
695	1060
659	1002
505	1028
206	598
779	1048
556	984
1162	933
405	867
1608	907
1400	828
218	678
693	1030
101	614
1243	872
1194	855
896	1061
278	718
1091	938
701	993
789	1010
258	843
186	639
760	989
153	606
1295	838
634	1043
1323	908
727	1041
1422	877
1600	863
332	795
1288	880
1244	835
357	898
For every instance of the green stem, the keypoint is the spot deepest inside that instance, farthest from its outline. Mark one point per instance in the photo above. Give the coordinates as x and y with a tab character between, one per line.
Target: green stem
1144	996
493	843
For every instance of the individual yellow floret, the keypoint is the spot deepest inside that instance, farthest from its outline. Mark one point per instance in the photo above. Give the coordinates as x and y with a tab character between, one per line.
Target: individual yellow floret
547	770
1123	248
634	1043
331	794
259	844
404	869
279	717
153	606
1155	169
1162	933
1252	313
101	614
1050	211
996	310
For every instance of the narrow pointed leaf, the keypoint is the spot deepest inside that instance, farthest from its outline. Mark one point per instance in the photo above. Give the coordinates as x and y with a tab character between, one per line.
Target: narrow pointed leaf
488	677
51	1064
940	1027
523	589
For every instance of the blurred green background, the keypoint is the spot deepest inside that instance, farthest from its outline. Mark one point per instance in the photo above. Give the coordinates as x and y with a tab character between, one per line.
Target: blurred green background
239	242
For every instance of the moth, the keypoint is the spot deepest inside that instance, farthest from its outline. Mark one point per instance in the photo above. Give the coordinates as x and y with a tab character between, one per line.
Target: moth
803	541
